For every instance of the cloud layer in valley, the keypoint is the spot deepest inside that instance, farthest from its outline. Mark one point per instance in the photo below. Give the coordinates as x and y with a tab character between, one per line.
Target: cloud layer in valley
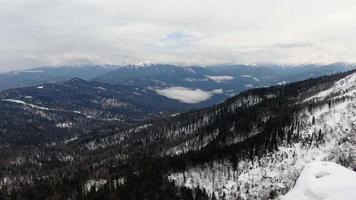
59	32
187	95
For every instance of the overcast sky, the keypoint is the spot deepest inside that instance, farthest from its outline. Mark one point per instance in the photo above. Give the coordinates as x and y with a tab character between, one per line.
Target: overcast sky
59	32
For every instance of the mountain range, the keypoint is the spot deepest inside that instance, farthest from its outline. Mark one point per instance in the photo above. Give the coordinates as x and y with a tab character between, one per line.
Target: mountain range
253	145
213	83
40	75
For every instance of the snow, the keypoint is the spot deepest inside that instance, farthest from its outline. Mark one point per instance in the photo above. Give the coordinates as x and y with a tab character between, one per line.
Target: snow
70	139
220	79
324	181
282	83
142	127
256	79
114	119
190	70
144	63
94	184
64	125
27	104
345	86
175	114
40	87
60	125
100	88
248	86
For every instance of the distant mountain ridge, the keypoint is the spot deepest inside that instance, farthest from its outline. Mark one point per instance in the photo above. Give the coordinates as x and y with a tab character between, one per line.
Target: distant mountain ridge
231	79
239	77
35	76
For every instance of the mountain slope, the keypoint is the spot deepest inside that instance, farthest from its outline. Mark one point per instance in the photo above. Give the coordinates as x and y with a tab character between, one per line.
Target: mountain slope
322	130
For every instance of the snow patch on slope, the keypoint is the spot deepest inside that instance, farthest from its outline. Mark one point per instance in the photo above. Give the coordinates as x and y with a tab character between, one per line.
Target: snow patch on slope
26	104
145	63
324	180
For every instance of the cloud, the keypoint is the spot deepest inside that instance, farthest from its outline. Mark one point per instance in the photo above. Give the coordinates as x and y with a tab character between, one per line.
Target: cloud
40	32
187	95
220	79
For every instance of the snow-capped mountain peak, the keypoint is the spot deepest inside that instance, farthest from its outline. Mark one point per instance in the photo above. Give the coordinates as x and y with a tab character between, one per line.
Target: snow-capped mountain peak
145	63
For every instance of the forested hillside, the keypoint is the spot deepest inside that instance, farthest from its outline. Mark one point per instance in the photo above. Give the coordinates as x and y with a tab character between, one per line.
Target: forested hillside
48	112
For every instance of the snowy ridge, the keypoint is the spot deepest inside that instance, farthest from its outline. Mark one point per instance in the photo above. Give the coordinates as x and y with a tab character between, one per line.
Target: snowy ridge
144	63
342	88
276	172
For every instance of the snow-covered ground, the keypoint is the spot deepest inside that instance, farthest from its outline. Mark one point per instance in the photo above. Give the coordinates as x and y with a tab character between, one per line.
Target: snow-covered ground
26	104
324	181
96	184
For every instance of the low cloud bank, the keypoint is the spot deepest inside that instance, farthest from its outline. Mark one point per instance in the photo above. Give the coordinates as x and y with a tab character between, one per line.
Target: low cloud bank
219	79
187	95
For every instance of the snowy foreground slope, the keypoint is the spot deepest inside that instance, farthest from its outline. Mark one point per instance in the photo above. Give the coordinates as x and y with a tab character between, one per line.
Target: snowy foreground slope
275	173
324	180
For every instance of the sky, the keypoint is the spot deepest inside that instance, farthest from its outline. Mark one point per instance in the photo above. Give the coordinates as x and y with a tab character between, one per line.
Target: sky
186	32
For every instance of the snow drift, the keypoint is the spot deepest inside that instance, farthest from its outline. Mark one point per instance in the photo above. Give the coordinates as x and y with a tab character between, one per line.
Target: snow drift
324	181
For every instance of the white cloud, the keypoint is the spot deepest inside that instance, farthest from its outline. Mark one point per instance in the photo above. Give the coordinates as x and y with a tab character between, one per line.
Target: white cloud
40	32
220	79
187	95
